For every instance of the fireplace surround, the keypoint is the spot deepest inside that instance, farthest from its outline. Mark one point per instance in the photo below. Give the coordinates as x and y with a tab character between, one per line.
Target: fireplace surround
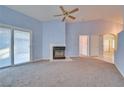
52	48
59	52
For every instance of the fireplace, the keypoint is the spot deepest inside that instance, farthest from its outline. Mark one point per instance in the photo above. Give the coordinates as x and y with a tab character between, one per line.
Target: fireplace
59	52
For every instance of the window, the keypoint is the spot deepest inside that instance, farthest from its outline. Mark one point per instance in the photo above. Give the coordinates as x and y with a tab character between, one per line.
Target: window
21	46
5	47
14	46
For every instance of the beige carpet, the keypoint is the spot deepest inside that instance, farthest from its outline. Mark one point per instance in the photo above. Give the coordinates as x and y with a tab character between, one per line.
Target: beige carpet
78	73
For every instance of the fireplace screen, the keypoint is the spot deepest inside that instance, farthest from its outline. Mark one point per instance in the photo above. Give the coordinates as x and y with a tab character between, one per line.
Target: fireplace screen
58	52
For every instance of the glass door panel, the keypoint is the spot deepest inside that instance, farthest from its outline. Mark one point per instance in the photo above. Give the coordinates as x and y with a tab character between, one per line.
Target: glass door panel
5	47
21	47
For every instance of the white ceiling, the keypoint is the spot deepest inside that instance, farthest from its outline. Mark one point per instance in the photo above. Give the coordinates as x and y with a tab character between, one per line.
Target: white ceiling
86	13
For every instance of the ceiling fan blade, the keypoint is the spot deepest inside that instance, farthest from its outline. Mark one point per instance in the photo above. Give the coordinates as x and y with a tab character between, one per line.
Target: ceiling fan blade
62	8
63	19
72	17
74	10
58	15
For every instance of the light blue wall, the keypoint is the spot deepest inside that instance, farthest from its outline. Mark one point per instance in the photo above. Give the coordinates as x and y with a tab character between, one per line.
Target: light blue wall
53	33
74	30
10	17
119	55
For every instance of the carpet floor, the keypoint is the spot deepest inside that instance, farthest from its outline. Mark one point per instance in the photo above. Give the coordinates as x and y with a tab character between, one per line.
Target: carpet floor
80	72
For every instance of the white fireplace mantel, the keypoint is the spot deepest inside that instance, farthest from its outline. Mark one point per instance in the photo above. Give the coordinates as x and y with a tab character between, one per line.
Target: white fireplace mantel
51	49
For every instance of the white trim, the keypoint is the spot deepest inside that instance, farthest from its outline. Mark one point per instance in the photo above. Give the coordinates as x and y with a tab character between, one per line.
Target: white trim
51	49
14	27
40	59
12	46
5	26
45	58
119	69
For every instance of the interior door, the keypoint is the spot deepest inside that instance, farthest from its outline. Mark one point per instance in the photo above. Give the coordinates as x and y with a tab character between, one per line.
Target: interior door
94	45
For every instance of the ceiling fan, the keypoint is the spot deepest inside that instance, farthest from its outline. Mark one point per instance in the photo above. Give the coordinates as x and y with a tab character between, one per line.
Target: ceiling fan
67	14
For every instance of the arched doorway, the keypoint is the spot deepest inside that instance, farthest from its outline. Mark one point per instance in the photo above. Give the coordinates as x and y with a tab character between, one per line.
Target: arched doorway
109	46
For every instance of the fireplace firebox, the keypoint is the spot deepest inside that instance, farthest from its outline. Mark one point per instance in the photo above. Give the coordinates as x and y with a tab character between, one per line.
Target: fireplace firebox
59	52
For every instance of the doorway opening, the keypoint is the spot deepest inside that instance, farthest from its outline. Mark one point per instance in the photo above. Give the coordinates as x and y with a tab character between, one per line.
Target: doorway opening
109	45
83	45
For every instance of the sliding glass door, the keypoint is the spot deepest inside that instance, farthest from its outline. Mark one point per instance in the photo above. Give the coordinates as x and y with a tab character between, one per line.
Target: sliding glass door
21	46
5	47
14	46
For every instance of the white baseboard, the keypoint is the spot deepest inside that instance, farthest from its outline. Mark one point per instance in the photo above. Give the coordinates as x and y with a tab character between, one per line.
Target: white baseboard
41	59
119	69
